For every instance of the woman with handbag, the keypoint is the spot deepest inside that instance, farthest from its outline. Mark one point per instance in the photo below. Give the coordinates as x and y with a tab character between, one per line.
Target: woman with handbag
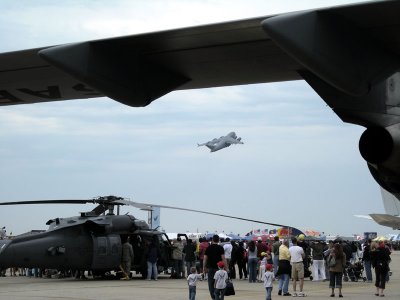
336	264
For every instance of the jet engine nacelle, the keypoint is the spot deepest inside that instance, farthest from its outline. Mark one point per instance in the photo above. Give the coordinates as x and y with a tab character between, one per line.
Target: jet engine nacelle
380	147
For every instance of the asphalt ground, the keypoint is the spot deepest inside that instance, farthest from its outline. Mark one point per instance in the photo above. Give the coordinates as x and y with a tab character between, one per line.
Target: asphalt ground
18	288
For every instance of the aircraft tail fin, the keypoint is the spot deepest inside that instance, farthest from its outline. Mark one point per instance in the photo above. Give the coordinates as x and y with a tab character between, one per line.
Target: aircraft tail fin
390	203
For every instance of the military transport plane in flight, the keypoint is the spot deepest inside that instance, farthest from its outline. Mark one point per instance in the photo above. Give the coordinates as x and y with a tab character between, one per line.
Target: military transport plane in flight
350	55
222	142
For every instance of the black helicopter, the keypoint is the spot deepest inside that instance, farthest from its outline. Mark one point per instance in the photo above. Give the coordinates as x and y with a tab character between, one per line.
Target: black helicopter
91	241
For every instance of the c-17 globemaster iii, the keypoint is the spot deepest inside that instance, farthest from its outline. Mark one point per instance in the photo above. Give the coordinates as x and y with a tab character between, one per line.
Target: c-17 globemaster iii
222	142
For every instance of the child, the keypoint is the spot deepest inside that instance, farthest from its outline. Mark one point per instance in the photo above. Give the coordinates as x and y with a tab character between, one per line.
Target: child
192	281
220	277
263	262
268	278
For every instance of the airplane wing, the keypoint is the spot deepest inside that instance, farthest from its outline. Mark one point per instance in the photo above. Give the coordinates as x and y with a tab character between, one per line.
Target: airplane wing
386	220
212	142
230	140
137	69
364	217
350	55
392	209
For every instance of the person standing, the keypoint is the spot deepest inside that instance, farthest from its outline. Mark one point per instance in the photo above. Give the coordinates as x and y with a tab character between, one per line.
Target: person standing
262	267
275	251
336	263
242	260
381	259
152	255
192	282
297	256
228	251
268	278
189	251
220	279
177	256
232	269
366	258
284	269
261	247
202	249
3	233
252	261
127	258
213	254
318	263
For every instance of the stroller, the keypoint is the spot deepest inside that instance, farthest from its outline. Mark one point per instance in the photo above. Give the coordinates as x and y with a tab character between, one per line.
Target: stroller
307	263
354	272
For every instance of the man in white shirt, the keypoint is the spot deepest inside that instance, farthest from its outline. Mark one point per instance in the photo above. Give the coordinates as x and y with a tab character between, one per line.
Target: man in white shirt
296	260
228	251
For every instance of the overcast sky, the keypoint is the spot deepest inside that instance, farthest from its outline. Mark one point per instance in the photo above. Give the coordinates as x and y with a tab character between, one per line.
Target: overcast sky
299	164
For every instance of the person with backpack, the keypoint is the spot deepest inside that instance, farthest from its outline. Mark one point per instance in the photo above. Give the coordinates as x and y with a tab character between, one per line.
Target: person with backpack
336	263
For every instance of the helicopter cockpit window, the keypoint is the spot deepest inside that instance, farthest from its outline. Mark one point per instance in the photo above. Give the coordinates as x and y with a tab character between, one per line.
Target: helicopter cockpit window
164	237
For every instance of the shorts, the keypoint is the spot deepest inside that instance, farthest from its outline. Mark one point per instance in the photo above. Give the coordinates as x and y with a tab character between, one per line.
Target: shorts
297	270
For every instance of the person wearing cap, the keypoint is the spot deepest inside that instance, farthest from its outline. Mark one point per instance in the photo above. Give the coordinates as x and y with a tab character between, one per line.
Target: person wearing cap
213	254
261	270
220	279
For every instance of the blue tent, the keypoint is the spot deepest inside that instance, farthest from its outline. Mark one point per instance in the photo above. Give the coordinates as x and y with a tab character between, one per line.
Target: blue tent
234	237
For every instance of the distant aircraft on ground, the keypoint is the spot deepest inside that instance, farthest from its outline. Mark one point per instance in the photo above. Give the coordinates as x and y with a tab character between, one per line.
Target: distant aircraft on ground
350	55
222	142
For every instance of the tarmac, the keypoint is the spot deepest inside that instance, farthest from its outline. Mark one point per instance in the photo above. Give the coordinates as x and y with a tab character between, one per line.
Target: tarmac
21	288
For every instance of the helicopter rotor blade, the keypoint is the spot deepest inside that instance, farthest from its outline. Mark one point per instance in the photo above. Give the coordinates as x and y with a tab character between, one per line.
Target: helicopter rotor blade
142	206
113	200
149	206
100	200
65	201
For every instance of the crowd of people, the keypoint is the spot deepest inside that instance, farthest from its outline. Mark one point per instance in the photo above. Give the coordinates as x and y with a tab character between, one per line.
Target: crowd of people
282	260
290	260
